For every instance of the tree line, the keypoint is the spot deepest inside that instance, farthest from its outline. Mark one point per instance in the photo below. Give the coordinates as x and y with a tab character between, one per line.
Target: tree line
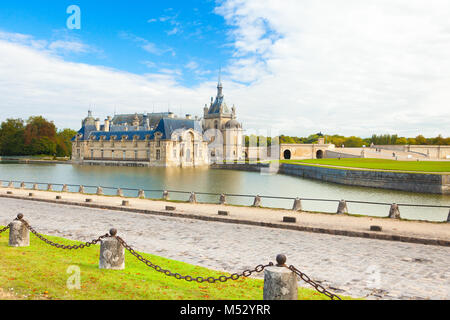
352	141
36	136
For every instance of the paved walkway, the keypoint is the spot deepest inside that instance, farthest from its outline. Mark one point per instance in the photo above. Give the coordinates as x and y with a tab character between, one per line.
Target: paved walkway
360	267
332	223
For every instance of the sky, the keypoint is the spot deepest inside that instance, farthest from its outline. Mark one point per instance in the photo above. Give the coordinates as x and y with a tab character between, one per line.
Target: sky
293	67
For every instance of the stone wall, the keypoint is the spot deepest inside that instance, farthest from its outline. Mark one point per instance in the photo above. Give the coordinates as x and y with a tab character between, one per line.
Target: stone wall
413	182
433	152
334	154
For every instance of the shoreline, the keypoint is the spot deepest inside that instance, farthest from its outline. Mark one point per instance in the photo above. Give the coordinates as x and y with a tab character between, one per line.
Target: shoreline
389	180
412	231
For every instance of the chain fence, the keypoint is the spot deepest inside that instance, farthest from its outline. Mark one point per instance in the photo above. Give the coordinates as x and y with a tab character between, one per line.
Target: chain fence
210	280
4	229
225	194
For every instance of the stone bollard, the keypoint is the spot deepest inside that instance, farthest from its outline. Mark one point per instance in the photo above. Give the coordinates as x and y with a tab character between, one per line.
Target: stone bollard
65	188
35	186
166	195
141	194
119	192
257	201
22	185
280	283
49	187
297	205
342	207
10	184
125	203
100	191
394	211
223	199
112	253
193	198
448	217
81	189
19	235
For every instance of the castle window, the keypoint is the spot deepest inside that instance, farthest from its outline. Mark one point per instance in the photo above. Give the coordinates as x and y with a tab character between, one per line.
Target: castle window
158	154
124	155
135	155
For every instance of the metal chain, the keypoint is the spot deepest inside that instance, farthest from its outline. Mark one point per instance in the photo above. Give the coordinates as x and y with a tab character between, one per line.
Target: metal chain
4	229
223	278
316	286
62	246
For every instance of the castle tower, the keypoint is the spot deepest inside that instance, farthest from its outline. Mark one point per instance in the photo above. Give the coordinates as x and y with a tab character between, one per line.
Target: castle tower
220	117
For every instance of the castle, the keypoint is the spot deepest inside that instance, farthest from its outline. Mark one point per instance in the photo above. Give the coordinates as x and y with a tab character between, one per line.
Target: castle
161	139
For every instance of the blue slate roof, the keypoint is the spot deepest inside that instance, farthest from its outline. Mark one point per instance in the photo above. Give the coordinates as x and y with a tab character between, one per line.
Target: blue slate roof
119	134
219	102
166	126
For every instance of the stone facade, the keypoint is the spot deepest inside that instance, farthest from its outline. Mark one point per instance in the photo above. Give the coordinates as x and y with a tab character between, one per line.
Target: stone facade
222	129
305	151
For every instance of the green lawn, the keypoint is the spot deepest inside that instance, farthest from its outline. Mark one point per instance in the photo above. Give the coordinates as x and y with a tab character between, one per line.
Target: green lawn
382	164
40	272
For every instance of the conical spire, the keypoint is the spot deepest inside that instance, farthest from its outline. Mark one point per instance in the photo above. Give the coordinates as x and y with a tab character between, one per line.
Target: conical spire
219	84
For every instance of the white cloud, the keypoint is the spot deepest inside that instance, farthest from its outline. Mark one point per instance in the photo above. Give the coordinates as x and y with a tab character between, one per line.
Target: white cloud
146	45
68	46
350	67
36	82
192	65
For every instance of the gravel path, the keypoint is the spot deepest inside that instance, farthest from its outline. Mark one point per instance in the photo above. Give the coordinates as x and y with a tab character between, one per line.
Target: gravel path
359	267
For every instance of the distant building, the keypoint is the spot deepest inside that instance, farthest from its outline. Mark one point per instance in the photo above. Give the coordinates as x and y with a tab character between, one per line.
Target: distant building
161	139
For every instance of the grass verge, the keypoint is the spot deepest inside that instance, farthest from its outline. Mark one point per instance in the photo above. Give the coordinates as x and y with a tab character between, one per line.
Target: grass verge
379	164
40	272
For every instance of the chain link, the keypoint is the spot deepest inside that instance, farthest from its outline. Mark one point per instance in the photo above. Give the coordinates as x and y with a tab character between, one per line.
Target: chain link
62	246
4	229
316	286
223	278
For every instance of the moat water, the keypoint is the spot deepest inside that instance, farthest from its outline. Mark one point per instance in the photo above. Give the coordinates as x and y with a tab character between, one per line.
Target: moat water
230	182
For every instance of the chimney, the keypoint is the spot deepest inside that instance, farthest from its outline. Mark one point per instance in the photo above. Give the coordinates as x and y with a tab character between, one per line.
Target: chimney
171	115
97	124
188	116
107	124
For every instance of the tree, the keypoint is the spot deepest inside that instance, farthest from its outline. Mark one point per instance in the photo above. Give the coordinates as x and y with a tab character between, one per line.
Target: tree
12	137
40	136
420	139
64	143
354	142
